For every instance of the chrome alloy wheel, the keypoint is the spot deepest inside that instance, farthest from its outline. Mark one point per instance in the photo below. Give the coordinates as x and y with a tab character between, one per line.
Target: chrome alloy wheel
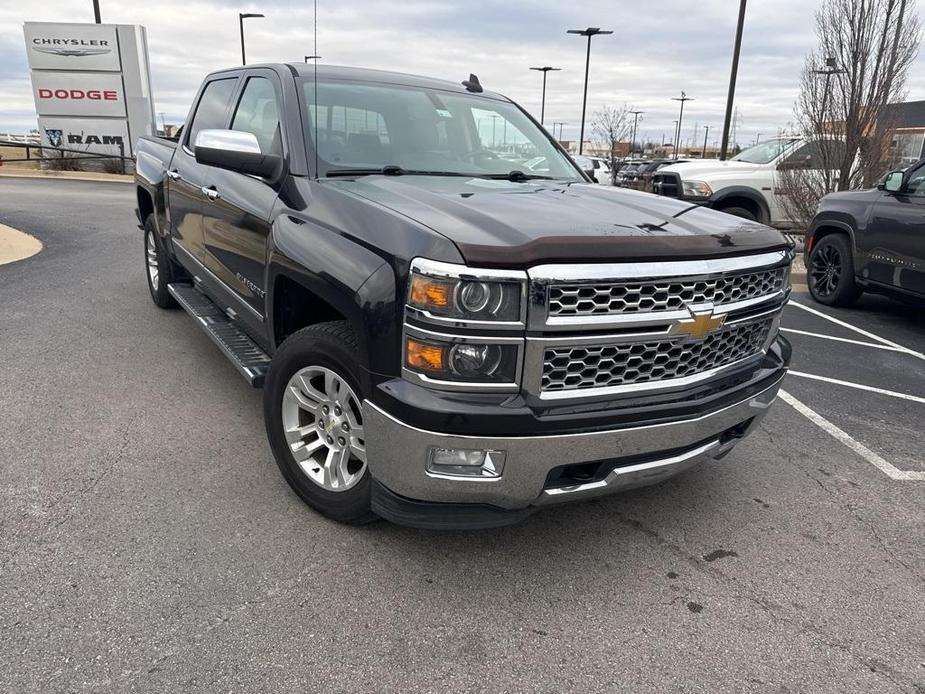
151	258
323	423
825	270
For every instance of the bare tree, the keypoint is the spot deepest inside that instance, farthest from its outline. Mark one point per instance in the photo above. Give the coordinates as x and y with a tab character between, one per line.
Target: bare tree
865	50
611	126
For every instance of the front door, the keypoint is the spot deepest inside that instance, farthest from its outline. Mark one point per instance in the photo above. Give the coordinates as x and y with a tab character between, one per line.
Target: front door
236	219
893	249
186	179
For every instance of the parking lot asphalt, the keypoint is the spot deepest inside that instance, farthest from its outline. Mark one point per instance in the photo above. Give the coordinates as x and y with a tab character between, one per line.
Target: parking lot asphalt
148	543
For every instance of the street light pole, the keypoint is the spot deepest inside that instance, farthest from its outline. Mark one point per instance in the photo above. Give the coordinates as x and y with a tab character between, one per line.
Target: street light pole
589	32
830	70
241	17
684	97
706	133
732	80
96	11
635	123
312	57
544	70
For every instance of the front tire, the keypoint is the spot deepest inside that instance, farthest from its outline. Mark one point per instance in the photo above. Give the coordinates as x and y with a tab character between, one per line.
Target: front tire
740	212
830	274
312	406
159	268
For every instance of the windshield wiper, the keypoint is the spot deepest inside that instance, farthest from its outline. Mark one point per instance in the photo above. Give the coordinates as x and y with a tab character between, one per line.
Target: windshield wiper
393	170
515	175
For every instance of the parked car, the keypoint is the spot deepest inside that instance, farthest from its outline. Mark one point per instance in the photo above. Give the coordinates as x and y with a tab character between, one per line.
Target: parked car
747	184
625	172
443	339
644	173
602	173
869	240
586	164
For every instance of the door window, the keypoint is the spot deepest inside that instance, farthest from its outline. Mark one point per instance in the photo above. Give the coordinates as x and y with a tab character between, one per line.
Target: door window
817	155
212	108
915	187
258	113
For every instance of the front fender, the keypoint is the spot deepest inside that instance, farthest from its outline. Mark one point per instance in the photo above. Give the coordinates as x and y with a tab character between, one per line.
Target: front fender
350	278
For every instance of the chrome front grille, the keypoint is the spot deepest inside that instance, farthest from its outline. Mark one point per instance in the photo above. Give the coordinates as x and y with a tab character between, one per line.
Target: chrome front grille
573	367
668	294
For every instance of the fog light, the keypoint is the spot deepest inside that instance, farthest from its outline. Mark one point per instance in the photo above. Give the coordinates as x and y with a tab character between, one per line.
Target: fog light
460	462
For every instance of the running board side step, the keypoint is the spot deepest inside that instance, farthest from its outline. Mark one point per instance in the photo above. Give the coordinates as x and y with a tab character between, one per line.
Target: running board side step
248	358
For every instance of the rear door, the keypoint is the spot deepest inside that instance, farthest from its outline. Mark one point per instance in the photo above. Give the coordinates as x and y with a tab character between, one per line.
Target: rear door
186	179
893	247
236	220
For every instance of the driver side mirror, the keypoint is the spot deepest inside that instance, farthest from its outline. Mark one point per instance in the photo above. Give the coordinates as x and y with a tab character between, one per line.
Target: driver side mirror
892	182
234	150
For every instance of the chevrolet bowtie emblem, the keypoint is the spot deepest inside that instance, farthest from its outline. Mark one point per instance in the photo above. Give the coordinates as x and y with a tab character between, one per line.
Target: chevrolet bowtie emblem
701	323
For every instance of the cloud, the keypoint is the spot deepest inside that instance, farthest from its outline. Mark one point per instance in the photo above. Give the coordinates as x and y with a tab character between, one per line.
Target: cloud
657	50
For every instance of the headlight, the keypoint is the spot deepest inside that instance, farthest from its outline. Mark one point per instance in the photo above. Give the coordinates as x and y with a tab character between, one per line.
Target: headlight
696	189
449	360
455	292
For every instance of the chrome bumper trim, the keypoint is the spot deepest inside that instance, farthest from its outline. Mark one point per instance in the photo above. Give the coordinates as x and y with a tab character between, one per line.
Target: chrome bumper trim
633	476
397	453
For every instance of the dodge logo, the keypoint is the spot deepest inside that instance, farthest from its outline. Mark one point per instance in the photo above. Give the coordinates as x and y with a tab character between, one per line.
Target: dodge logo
79	94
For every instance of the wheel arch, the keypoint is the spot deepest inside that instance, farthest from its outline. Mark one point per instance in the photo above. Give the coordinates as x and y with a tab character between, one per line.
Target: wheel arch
821	228
742	196
315	275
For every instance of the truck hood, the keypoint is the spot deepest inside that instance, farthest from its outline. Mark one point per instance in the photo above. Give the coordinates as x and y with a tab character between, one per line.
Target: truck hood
698	171
508	224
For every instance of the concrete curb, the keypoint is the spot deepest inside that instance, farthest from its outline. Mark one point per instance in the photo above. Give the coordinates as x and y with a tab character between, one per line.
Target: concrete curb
66	175
17	245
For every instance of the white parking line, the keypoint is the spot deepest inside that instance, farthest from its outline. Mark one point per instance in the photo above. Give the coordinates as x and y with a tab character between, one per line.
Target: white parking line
874	459
842	323
842	339
859	386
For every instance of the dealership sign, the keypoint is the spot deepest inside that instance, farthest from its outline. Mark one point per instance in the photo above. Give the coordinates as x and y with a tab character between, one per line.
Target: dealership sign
72	46
78	94
91	84
102	135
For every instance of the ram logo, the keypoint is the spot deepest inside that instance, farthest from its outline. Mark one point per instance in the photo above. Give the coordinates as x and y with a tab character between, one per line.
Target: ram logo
55	137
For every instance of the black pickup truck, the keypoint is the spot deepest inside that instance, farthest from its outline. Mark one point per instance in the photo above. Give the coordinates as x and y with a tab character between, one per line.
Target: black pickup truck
451	325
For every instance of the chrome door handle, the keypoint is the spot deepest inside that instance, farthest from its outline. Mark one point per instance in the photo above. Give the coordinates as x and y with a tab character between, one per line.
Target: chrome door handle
210	193
173	175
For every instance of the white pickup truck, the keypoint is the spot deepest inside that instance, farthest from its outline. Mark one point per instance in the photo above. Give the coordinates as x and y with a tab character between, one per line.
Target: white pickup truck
746	185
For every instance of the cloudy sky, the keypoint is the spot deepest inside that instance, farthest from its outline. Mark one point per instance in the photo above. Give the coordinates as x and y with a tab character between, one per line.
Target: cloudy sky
658	49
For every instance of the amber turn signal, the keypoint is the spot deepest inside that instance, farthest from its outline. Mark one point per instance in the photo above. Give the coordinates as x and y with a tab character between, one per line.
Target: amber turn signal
428	292
424	357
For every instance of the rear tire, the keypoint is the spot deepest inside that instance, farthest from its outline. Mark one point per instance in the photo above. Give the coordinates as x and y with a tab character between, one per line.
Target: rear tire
830	274
312	405
160	270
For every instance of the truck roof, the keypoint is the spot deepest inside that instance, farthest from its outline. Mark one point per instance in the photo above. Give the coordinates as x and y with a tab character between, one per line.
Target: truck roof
361	74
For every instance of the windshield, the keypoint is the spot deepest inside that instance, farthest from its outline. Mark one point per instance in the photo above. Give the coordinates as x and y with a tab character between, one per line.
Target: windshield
765	152
366	127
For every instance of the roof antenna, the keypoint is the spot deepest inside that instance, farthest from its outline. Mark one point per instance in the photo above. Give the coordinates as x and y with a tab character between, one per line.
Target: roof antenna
315	88
472	84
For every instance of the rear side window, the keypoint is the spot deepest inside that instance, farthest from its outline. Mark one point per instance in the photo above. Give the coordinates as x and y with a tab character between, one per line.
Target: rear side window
258	113
212	108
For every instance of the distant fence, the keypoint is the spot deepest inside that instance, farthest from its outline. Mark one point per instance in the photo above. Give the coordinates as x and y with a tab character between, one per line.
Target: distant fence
37	152
30	139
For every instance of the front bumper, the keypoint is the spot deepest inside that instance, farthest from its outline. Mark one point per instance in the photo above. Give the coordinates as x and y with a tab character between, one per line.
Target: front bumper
624	458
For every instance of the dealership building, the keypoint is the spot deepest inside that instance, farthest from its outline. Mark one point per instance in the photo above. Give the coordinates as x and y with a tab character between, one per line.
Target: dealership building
907	121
